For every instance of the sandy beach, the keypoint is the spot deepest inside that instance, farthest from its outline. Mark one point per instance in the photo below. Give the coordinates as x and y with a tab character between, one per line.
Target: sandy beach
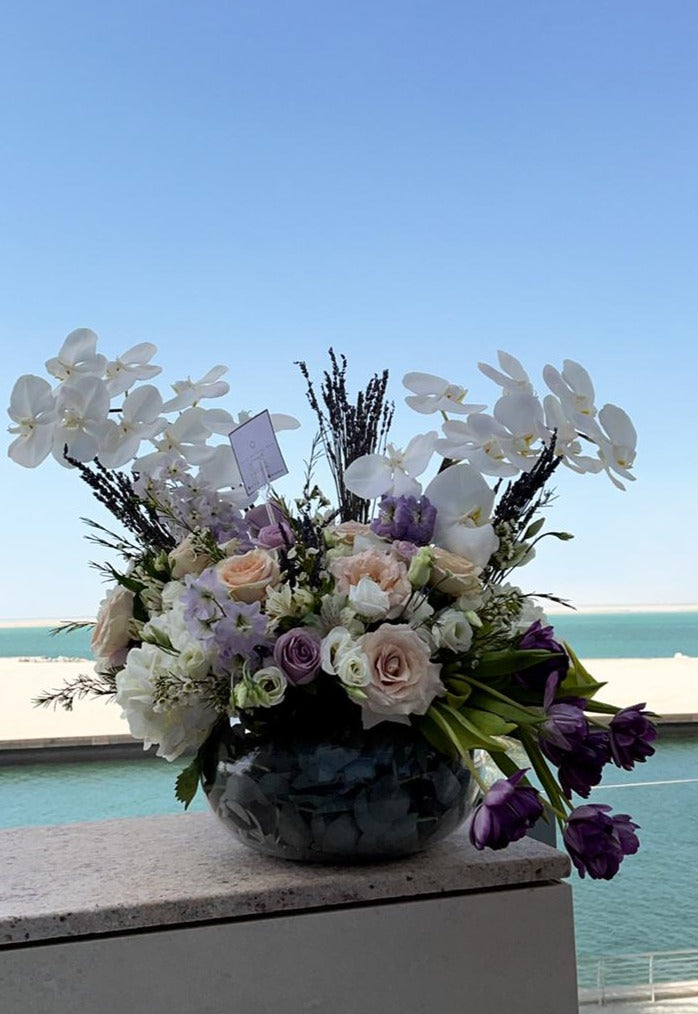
668	685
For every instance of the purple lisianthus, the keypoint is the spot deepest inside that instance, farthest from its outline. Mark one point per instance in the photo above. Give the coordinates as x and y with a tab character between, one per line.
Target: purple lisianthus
548	674
297	654
580	769
563	731
631	734
405	517
505	814
597	842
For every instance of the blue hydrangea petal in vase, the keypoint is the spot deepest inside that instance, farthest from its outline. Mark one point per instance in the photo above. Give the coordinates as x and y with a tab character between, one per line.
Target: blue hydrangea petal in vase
332	666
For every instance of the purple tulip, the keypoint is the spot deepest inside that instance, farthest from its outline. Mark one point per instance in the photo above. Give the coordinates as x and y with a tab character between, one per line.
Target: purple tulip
297	654
597	842
548	674
505	814
563	731
582	767
631	735
405	517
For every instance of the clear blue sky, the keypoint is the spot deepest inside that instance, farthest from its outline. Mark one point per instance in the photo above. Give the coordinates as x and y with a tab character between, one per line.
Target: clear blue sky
415	183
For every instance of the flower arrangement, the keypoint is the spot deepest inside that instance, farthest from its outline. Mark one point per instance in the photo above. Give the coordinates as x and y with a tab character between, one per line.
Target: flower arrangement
392	605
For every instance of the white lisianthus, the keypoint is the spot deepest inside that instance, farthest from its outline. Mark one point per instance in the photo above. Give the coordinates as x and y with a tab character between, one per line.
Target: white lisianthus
353	668
171	594
176	726
338	641
453	631
369	599
262	689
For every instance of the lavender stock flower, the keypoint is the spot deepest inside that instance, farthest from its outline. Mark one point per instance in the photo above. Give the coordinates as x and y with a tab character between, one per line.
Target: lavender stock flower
598	843
408	518
505	814
631	734
240	631
202	600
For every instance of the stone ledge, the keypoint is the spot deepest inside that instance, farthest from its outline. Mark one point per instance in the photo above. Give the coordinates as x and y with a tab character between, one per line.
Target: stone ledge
120	876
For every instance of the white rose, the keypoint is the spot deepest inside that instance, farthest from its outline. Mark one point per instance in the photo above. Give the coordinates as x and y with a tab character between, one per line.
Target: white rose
111	633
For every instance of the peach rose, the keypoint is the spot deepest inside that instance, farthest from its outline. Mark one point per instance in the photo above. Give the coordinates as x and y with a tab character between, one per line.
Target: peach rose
248	576
404	680
454	575
110	636
384	569
345	533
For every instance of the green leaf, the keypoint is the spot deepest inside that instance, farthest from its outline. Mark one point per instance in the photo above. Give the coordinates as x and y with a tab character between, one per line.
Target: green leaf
509	711
467	730
188	782
578	680
487	723
534	528
509	660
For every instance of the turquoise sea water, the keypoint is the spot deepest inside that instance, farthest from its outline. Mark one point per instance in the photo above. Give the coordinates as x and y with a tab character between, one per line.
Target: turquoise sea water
592	635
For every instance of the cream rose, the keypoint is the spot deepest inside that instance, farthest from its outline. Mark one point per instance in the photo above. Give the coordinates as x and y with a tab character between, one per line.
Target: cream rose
247	577
110	636
185	560
383	569
403	679
345	533
454	575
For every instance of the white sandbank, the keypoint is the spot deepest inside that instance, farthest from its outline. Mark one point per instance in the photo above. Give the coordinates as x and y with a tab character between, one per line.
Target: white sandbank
669	686
25	624
554	609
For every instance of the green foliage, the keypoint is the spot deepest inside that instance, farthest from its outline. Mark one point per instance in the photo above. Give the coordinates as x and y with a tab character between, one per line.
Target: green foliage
188	782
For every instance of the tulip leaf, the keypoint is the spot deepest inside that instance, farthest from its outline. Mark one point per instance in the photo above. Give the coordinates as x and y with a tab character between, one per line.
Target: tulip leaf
487	722
510	712
508	661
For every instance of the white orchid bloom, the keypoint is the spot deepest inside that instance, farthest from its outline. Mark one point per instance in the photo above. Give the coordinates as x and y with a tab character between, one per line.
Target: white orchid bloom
77	357
374	475
33	409
573	387
140	420
189	392
222	422
513	380
463	502
616	442
482	441
122	373
221	472
567	442
82	404
434	394
522	415
185	438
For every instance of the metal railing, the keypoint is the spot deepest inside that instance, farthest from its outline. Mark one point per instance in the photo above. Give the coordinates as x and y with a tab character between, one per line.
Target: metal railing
649	977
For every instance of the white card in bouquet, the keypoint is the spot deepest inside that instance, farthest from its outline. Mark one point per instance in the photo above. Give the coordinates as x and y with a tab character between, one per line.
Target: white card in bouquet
257	452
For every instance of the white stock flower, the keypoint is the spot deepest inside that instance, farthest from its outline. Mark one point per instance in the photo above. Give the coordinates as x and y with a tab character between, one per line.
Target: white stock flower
140	420
463	501
175	727
33	410
189	392
434	394
77	357
514	379
393	473
122	373
82	404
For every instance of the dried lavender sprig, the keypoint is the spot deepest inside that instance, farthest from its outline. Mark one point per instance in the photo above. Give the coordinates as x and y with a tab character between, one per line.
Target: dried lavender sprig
522	498
348	430
115	491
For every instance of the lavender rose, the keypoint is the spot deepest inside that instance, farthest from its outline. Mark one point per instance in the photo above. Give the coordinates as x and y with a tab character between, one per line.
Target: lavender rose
297	654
